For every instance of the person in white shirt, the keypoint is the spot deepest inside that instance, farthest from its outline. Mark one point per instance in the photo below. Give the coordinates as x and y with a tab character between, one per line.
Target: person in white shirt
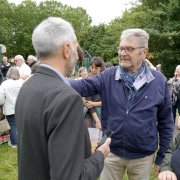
24	69
9	90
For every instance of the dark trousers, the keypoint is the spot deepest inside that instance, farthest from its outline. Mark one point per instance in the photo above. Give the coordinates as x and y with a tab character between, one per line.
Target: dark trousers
12	123
174	108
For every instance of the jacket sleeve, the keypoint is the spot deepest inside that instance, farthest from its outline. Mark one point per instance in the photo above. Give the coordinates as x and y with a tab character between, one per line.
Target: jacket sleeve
90	86
165	125
68	143
166	164
92	167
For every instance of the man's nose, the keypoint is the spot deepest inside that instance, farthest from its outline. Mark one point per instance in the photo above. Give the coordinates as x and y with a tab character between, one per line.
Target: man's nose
123	52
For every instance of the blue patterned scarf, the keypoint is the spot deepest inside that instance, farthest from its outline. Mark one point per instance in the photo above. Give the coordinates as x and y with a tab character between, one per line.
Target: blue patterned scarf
128	79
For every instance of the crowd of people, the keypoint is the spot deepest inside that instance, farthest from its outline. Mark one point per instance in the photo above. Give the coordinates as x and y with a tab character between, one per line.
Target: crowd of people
13	75
51	113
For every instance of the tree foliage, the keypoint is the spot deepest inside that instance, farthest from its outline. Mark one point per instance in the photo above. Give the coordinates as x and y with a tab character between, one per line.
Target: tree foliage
160	18
19	21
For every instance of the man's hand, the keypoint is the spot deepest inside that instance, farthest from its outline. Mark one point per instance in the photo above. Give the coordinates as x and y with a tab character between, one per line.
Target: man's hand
105	147
149	64
167	175
89	104
156	169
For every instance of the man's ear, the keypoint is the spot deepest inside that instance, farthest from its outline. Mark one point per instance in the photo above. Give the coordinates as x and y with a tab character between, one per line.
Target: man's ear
145	51
66	50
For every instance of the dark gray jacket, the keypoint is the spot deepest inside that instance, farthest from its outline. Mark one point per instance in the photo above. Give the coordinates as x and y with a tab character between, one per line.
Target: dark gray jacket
53	141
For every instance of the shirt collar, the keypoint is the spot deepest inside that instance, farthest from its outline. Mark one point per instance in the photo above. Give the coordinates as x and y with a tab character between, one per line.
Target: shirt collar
57	72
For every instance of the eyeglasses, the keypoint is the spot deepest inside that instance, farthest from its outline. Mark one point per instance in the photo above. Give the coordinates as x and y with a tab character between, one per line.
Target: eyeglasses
16	60
127	50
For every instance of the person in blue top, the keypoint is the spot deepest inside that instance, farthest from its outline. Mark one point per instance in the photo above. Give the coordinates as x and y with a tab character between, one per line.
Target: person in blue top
136	106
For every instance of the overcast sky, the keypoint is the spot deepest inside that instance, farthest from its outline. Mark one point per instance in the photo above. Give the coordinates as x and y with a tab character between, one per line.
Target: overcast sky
101	11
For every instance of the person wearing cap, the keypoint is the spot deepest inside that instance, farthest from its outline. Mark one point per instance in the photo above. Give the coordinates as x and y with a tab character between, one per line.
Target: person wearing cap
33	63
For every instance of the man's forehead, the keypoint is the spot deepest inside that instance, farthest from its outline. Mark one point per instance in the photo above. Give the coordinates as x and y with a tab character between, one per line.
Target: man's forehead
129	40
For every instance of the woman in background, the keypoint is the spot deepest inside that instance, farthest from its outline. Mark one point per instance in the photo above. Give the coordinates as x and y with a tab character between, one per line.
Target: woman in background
93	103
82	73
9	90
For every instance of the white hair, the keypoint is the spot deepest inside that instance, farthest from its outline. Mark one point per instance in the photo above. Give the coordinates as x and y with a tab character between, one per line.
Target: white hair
140	34
19	57
13	73
32	57
178	67
50	34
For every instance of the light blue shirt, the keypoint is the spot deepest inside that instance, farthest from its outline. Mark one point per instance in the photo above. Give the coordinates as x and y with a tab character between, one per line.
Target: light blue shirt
57	72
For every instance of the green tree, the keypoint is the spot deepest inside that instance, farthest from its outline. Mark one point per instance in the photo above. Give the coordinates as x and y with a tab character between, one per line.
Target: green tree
19	21
6	28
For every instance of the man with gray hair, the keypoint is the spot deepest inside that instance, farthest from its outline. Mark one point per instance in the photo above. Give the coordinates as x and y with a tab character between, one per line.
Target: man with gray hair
136	106
33	63
24	69
53	141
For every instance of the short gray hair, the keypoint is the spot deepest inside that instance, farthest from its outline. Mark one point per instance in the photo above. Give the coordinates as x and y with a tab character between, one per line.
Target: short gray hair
50	34
140	34
13	73
32	57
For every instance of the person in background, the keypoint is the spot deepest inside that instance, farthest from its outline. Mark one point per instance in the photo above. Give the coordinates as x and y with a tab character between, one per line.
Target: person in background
136	106
82	73
4	67
1	77
9	90
92	104
33	63
170	167
174	89
80	52
24	69
158	68
53	140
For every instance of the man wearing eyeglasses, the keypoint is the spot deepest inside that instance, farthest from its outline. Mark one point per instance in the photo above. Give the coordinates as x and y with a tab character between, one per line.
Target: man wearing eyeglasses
136	106
24	69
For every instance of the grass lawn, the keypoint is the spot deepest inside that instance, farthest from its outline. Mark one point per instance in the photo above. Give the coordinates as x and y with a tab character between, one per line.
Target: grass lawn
8	164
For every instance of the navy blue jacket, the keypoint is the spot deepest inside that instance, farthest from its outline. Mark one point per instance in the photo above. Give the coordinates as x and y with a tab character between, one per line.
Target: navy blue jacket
136	128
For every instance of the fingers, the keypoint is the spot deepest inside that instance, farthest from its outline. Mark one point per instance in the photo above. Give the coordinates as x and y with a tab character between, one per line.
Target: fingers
105	147
167	175
156	169
107	142
89	104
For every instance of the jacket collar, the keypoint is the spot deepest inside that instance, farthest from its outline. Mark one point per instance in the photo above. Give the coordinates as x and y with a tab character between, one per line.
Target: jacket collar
149	77
51	71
